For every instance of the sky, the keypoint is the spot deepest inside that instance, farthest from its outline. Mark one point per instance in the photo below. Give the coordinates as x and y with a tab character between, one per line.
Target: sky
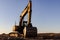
45	15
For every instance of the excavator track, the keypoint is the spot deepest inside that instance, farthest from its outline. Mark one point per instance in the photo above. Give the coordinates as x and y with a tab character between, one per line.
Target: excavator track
30	32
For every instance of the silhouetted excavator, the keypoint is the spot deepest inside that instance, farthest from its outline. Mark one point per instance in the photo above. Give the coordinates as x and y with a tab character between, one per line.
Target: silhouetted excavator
25	27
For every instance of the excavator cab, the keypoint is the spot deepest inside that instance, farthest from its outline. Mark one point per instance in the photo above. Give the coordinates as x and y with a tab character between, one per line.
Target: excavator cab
24	23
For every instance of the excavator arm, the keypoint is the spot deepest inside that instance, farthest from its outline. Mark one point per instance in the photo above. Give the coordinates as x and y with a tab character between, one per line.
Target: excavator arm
28	11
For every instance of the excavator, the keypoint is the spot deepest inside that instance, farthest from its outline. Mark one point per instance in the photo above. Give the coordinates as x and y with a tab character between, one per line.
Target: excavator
25	27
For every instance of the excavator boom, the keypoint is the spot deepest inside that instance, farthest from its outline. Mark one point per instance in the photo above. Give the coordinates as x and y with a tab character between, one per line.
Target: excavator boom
27	10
